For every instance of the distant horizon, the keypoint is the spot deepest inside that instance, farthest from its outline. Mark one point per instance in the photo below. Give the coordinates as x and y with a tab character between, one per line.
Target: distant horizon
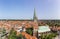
29	19
24	9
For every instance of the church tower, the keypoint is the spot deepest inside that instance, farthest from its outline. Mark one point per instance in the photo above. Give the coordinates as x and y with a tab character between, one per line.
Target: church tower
35	17
35	24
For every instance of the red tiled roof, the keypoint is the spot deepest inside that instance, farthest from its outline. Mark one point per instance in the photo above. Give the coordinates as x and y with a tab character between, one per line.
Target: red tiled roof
28	36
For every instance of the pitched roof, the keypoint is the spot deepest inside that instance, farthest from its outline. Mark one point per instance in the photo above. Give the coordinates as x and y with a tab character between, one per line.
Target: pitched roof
42	29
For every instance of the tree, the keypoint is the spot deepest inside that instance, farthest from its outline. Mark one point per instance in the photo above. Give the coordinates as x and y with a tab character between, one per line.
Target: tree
12	34
29	31
20	36
48	36
2	33
3	30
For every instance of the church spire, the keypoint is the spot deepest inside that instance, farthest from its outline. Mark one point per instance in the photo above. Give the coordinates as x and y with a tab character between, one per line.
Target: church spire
35	17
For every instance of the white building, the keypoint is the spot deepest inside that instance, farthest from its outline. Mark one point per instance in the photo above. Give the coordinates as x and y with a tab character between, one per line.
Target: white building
43	29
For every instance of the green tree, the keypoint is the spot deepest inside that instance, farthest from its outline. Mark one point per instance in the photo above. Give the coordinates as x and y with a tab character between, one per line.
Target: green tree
12	34
20	36
3	30
48	36
29	31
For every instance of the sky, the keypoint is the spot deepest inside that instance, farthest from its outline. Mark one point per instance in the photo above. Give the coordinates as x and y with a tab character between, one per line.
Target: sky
24	9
